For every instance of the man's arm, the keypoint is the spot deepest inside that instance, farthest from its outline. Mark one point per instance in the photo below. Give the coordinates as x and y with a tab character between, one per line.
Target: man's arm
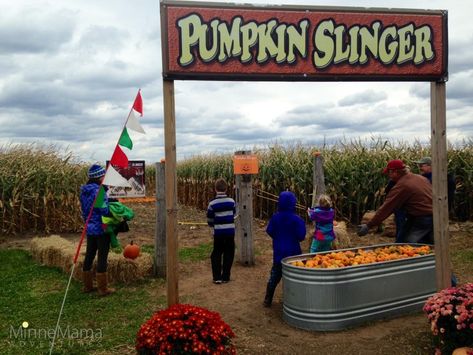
394	200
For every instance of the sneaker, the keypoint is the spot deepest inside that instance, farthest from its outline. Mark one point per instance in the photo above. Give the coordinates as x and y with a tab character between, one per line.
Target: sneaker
217	282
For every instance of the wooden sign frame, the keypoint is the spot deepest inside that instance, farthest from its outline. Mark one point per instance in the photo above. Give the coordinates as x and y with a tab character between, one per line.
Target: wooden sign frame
438	76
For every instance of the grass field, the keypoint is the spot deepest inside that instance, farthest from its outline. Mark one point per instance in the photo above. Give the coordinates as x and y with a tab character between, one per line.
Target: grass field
32	293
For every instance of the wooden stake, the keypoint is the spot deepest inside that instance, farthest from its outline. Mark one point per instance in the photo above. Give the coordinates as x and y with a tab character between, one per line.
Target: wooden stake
159	267
439	184
244	222
171	200
318	178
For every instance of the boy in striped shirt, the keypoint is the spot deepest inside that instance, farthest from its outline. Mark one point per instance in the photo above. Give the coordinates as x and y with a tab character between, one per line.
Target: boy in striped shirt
221	217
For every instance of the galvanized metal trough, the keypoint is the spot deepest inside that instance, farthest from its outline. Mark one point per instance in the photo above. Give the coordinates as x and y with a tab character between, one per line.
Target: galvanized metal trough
335	299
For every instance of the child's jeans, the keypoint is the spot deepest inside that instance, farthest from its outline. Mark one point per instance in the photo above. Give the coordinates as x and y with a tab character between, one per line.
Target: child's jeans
320	245
275	275
100	245
222	257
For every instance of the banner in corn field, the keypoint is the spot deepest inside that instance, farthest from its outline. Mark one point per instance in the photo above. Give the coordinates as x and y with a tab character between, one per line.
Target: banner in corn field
221	41
134	173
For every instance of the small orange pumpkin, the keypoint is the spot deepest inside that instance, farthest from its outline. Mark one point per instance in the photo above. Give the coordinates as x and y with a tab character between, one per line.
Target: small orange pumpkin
131	251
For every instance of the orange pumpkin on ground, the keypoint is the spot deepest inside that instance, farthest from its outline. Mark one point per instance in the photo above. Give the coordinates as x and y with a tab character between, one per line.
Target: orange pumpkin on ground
131	251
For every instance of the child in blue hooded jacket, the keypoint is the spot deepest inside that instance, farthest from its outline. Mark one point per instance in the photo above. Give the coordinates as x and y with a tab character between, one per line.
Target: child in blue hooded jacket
287	230
98	242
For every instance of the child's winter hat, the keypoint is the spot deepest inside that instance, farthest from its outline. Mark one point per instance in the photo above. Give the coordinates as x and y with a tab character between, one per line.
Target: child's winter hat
96	171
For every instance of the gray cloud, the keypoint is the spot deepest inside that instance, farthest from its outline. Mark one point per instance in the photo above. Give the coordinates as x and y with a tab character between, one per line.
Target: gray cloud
47	99
460	87
363	98
96	39
460	54
70	71
39	30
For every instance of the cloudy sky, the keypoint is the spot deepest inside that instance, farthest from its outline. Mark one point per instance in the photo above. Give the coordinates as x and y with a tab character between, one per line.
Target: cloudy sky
71	69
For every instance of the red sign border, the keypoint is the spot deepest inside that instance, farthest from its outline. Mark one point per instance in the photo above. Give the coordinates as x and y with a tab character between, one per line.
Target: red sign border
189	75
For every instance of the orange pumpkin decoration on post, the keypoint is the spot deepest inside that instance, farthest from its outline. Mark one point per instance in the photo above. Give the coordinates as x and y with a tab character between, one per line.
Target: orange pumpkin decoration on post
131	251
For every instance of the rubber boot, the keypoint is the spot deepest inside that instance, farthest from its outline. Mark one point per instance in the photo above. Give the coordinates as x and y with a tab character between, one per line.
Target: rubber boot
88	280
268	298
102	282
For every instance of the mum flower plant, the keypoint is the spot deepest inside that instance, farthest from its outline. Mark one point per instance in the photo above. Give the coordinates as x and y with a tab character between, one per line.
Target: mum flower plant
450	313
185	329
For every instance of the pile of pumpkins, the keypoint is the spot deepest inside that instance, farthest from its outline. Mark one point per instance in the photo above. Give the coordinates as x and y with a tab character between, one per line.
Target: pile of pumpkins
362	256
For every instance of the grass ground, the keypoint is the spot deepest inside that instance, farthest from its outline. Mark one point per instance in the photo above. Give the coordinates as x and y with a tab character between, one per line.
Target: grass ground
32	293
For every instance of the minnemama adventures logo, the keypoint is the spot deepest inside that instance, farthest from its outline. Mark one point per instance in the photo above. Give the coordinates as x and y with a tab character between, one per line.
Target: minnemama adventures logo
26	335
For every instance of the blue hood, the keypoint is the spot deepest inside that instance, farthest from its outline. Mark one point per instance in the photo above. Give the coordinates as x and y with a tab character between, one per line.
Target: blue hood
287	202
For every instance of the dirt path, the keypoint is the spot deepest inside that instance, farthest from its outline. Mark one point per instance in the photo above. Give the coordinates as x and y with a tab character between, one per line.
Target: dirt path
261	330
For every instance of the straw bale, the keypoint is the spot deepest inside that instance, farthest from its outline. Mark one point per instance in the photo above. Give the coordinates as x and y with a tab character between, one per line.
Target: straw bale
342	236
59	252
388	228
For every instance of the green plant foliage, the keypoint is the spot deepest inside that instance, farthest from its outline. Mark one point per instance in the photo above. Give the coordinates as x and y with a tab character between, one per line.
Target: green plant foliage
353	173
39	189
39	186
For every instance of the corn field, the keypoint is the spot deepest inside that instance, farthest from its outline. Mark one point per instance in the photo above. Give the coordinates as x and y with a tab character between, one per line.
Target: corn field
39	189
352	170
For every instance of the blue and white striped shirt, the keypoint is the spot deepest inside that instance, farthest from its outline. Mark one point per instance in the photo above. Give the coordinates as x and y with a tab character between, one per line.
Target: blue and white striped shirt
221	215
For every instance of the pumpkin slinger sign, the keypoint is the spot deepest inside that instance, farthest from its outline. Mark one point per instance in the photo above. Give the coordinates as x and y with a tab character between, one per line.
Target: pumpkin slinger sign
223	41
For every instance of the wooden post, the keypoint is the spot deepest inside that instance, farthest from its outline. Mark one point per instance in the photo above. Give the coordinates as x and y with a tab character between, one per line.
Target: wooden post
244	222
159	266
171	200
439	184
318	178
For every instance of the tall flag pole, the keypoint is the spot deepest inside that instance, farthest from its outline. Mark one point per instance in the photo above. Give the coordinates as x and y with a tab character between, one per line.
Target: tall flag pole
112	178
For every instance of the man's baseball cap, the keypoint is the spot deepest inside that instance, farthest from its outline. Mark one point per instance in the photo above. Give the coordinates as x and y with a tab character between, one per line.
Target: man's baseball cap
424	160
395	164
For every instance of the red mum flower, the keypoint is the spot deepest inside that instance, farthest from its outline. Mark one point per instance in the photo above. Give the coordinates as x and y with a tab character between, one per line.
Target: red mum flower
185	329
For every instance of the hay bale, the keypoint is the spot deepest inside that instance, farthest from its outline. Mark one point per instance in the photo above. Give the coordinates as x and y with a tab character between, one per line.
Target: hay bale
59	252
367	217
342	236
388	227
52	251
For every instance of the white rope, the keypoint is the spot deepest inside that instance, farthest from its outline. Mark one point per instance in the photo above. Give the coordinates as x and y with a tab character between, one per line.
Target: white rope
62	307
